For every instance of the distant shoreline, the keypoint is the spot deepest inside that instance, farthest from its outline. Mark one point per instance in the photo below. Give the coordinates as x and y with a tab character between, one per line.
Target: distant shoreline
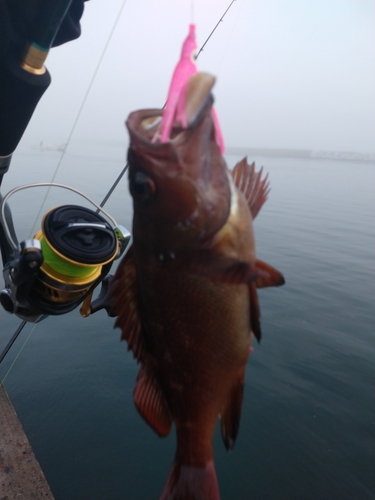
307	154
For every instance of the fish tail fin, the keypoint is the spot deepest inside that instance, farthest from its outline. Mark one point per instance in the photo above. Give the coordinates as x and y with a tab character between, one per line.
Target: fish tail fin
191	482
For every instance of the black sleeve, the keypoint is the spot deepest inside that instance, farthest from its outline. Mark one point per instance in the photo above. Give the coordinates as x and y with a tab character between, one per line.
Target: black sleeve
17	17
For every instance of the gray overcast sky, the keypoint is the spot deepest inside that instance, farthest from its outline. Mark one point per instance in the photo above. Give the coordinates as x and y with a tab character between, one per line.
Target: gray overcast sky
290	73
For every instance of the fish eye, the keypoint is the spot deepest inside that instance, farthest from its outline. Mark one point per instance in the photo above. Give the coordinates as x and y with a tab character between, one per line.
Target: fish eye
142	187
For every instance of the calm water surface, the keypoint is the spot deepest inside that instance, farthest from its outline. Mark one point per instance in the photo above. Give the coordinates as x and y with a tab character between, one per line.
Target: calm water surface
307	428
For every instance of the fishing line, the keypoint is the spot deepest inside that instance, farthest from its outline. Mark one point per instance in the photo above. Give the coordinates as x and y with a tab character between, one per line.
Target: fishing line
19	352
62	156
79	112
113	187
12	340
229	39
49	185
215	28
200	50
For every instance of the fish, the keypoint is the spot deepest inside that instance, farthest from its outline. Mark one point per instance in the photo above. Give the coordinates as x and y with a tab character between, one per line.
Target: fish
185	294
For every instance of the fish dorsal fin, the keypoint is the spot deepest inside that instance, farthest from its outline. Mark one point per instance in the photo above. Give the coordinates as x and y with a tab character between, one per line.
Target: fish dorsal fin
124	291
252	186
150	402
254	312
231	414
267	275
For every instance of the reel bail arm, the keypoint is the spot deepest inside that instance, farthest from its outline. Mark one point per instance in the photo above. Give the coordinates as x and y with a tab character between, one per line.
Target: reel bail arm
59	268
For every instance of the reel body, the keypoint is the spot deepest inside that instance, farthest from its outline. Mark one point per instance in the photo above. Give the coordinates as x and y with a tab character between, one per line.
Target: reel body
59	268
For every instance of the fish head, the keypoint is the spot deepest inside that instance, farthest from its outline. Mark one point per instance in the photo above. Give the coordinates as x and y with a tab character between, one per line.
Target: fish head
180	189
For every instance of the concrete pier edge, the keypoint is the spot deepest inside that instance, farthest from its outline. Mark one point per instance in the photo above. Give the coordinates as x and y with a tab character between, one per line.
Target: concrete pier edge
21	477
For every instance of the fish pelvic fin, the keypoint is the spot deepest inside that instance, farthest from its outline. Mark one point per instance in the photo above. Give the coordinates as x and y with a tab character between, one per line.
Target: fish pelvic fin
267	275
150	402
124	290
252	186
189	482
231	414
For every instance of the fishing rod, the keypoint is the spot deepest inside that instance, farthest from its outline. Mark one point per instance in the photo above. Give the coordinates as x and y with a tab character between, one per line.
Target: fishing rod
213	31
34	288
57	269
23	82
196	57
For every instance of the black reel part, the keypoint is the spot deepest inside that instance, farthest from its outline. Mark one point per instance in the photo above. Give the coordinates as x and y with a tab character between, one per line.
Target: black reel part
59	269
80	234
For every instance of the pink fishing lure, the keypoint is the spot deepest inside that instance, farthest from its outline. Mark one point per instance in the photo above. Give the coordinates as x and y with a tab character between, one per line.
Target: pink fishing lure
175	104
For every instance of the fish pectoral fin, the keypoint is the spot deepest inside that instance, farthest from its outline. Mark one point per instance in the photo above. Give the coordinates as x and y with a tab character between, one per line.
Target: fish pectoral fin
254	312
231	414
267	275
224	269
150	402
252	186
125	306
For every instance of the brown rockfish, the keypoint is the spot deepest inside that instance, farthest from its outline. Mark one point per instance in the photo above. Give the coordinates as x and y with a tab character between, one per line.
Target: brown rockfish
185	293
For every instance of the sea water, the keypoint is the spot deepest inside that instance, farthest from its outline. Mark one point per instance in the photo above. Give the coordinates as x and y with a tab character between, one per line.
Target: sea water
307	426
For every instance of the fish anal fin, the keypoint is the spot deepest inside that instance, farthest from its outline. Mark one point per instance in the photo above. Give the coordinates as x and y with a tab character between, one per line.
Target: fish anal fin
150	402
252	186
124	291
254	312
231	414
267	275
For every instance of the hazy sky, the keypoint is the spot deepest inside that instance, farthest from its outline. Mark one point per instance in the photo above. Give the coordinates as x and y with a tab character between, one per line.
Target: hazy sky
290	73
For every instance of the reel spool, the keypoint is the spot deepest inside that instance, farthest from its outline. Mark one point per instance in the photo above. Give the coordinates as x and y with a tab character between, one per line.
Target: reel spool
76	243
58	269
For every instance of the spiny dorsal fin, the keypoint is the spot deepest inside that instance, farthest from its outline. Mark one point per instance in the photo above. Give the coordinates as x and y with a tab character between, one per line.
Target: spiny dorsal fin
267	275
124	291
230	416
252	186
150	402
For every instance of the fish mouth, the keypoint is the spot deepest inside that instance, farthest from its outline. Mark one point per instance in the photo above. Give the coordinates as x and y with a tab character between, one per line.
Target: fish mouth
145	125
193	193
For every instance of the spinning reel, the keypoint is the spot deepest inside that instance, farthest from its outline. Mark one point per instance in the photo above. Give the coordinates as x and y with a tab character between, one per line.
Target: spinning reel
59	268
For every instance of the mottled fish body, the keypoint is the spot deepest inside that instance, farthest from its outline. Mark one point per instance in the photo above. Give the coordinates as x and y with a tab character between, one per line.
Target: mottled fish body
185	293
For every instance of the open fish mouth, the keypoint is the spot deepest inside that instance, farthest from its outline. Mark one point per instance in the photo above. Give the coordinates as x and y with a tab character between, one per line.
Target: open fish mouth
198	98
192	195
